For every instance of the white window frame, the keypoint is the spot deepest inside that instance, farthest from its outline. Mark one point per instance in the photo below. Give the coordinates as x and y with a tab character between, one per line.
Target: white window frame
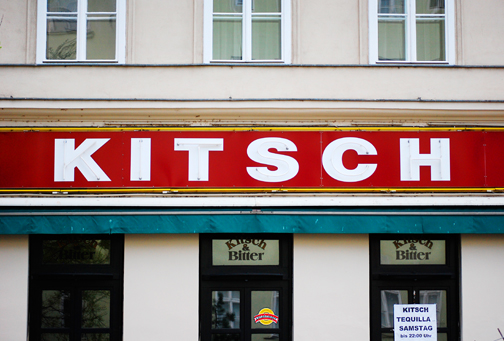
410	6
81	35
286	36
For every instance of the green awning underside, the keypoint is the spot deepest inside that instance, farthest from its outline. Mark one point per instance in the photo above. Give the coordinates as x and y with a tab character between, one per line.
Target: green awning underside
131	221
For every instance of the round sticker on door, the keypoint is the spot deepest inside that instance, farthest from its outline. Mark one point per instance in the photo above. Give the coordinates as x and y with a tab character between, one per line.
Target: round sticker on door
266	317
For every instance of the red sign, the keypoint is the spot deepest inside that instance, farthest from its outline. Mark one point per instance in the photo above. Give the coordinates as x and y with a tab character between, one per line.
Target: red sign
240	160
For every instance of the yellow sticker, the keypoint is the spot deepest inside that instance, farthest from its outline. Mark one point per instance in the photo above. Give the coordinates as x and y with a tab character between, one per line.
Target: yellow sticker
266	317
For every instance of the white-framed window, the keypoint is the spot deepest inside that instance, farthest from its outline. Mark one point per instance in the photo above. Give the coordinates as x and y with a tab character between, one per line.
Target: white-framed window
247	31
81	31
411	31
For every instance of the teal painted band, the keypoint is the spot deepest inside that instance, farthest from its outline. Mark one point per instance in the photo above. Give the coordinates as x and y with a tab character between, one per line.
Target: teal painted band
251	223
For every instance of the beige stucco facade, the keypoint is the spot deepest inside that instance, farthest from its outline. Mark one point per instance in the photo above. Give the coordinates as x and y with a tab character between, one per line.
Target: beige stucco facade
330	82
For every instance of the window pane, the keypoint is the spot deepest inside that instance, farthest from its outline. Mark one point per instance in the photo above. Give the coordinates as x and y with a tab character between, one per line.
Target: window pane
262	337
266	6
442	337
430	40
77	251
225	310
96	309
388	299
390	6
62	5
391	39
62	37
95	337
412	252
243	251
227	38
226	337
387	336
228	6
101	38
56	306
430	7
54	337
266	37
265	306
437	297
101	5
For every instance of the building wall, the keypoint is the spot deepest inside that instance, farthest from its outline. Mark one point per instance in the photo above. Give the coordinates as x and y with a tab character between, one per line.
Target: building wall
482	301
161	276
13	287
324	32
331	287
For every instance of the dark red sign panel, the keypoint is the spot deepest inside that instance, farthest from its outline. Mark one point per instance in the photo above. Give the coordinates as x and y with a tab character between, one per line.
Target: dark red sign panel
302	160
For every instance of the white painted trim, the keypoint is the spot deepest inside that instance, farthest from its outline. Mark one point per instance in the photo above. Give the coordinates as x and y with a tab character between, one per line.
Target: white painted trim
411	33
257	201
81	38
41	30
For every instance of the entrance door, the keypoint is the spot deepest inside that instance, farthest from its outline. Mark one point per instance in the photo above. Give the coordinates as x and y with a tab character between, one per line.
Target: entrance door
76	287
439	292
246	301
414	269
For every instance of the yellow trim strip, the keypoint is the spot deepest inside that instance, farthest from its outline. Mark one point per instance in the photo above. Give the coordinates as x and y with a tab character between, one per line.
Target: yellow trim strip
126	129
256	190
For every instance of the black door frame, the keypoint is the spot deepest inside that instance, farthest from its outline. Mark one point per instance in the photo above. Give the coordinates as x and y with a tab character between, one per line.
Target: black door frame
416	277
76	278
246	279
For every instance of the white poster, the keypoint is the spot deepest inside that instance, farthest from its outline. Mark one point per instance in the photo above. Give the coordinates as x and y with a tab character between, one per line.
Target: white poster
415	322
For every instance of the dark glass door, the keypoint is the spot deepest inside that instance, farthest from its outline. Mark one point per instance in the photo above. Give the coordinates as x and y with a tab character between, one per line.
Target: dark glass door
245	311
439	292
76	287
245	287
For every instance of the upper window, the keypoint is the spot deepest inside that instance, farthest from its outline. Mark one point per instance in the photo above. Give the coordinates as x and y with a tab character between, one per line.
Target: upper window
81	31
247	31
412	31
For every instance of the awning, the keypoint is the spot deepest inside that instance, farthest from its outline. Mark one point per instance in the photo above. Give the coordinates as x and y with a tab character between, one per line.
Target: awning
345	221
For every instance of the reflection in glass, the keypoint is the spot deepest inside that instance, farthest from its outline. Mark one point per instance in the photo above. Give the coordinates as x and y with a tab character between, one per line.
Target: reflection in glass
430	39
227	38
265	309
101	37
101	5
226	337
437	297
61	37
262	337
54	337
56	307
96	308
391	38
61	5
430	7
225	310
95	337
266	37
266	6
76	251
388	299
391	6
228	6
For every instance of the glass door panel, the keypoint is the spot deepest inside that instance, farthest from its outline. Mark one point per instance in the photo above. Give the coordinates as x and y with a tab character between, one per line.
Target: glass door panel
225	309
265	309
437	297
388	299
262	337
